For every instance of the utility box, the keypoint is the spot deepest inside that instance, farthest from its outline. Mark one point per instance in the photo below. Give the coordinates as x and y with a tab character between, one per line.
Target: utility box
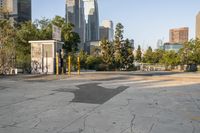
43	56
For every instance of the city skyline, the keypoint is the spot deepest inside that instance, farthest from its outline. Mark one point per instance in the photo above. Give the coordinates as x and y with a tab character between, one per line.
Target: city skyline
144	21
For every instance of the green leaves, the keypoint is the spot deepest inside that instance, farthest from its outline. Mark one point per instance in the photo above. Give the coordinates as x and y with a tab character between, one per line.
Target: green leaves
170	58
7	46
107	52
190	53
119	53
18	37
139	54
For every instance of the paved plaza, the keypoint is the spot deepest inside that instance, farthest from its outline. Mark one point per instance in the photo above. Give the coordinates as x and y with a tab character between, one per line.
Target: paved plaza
104	102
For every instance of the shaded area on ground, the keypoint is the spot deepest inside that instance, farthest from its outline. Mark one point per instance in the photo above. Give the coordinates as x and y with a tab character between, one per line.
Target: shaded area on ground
93	94
110	79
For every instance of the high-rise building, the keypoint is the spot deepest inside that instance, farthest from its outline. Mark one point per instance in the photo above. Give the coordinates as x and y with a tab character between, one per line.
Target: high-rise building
8	9
106	30
198	25
24	10
18	10
104	33
179	35
75	15
92	20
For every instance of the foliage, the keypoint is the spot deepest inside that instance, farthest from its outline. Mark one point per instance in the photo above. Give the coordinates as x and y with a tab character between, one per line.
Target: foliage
139	54
18	38
83	58
7	46
190	52
119	53
44	27
26	32
170	58
127	54
107	51
148	56
93	62
7	34
70	38
118	43
157	55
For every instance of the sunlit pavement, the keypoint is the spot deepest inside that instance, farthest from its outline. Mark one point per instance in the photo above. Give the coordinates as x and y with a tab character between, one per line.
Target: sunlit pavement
106	102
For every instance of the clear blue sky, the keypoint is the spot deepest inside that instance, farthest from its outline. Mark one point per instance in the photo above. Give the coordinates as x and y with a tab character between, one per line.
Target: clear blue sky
145	21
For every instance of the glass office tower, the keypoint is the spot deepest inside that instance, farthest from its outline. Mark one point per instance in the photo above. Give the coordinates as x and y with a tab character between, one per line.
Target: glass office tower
18	10
24	10
92	18
75	15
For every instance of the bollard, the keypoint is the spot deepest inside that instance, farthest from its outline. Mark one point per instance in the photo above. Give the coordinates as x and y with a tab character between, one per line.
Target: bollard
78	64
69	65
57	67
62	61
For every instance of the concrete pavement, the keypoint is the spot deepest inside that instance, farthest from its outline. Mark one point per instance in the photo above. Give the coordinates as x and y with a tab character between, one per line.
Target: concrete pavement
101	103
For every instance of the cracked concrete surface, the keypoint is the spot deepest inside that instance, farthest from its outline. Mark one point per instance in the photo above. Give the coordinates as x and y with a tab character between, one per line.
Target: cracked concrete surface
145	105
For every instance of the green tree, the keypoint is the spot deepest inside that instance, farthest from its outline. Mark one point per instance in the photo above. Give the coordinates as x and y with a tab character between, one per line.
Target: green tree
70	38
197	51
93	62
148	56
139	54
7	46
158	55
170	59
119	30
26	32
190	52
107	51
58	21
44	27
127	55
83	58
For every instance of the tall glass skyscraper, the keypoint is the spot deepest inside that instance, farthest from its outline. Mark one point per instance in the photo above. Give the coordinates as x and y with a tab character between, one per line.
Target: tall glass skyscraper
198	25
24	10
92	18
75	15
8	9
18	10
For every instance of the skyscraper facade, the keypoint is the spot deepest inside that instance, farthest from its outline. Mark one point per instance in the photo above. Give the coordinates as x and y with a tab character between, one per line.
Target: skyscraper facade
8	9
24	10
18	10
92	20
198	25
106	30
2	8
179	35
108	24
75	15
